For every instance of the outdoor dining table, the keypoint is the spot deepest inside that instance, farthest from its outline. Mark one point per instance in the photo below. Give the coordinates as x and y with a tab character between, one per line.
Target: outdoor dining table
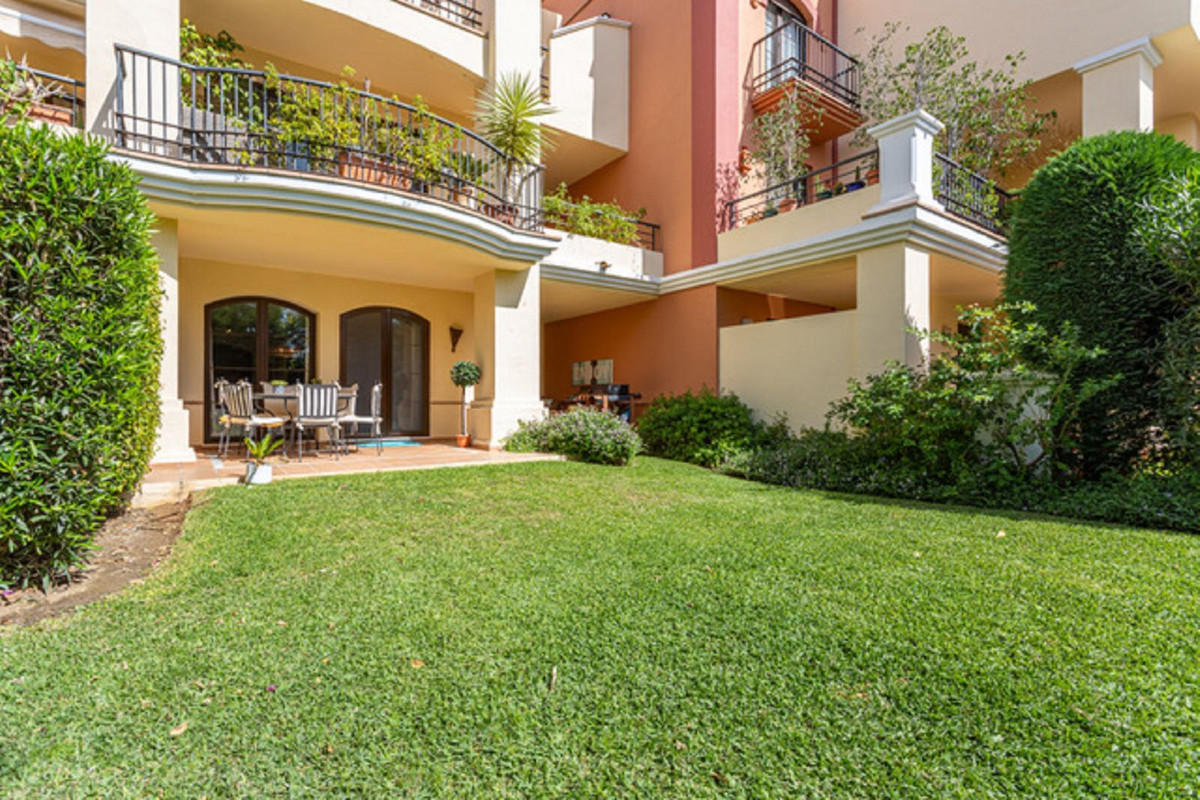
346	398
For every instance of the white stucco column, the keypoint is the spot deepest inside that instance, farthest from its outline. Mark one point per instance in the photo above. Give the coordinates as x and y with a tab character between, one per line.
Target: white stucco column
906	159
509	350
1118	88
150	26
515	38
172	446
893	296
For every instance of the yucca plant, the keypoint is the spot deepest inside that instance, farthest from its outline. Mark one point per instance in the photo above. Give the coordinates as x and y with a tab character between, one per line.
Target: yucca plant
507	115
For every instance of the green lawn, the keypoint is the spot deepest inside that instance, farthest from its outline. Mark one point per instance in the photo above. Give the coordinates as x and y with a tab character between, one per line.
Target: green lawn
708	637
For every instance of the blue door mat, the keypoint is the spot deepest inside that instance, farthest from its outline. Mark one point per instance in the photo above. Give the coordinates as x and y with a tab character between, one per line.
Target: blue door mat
388	443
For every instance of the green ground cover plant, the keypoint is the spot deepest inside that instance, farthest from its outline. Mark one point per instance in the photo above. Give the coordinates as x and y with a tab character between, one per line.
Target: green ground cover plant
572	630
581	434
79	346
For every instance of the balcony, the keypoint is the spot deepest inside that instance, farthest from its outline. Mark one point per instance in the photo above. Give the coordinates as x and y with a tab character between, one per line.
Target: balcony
844	177
256	120
461	12
970	196
794	53
53	99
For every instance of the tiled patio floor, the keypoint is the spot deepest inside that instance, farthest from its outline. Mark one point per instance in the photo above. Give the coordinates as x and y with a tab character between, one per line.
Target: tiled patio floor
168	483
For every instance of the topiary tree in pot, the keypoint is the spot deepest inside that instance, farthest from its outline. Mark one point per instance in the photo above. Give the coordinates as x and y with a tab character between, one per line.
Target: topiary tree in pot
465	374
80	346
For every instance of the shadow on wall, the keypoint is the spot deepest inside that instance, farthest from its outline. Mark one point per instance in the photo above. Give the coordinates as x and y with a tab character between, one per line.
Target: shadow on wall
728	186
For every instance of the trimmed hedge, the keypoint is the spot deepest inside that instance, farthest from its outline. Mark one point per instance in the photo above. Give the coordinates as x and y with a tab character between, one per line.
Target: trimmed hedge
702	428
581	434
79	346
1074	252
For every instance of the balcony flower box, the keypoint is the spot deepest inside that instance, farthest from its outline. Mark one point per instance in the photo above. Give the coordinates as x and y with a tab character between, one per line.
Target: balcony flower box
364	169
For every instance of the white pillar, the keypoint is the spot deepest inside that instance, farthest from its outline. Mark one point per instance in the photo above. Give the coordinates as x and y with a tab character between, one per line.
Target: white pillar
150	26
173	426
1118	88
515	38
508	348
906	159
893	296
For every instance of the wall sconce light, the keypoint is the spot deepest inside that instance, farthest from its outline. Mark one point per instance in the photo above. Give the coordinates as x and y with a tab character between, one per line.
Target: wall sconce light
455	334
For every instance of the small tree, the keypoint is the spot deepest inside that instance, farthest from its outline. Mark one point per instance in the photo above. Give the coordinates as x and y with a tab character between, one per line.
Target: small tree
782	137
987	111
507	115
464	374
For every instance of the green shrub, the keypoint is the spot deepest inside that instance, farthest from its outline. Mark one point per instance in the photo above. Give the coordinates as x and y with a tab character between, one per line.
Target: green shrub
586	217
1074	253
582	434
79	346
702	428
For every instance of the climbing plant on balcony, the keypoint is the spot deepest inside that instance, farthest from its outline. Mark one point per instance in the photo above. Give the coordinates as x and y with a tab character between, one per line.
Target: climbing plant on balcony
608	221
987	111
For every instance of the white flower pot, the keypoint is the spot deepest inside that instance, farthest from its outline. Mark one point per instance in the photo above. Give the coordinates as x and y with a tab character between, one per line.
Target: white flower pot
258	474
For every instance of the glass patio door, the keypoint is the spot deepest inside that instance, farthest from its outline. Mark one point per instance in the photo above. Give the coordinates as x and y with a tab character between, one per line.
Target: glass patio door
390	345
784	59
256	339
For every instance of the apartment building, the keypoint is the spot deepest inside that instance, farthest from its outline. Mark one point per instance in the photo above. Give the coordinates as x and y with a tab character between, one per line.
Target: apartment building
285	259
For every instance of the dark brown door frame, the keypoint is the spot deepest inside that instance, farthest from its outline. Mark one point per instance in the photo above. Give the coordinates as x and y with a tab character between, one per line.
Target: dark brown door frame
260	345
385	356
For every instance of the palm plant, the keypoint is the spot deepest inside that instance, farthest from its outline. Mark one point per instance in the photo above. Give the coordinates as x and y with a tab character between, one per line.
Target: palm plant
507	116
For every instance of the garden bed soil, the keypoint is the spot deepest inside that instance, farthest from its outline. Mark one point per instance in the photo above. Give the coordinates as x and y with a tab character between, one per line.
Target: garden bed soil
128	548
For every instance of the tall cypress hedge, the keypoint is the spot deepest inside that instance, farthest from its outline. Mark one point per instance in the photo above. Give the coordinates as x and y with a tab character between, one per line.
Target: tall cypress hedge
79	346
1074	252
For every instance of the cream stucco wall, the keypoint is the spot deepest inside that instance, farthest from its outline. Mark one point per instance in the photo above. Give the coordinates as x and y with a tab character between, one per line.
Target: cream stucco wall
153	27
826	216
202	282
795	366
589	81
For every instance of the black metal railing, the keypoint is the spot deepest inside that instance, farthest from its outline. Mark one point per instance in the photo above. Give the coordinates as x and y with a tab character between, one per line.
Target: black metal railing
646	235
544	74
796	52
970	196
464	12
255	119
847	175
58	99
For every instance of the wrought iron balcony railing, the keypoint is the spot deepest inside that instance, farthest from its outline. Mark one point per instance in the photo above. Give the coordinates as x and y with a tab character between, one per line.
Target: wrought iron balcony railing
971	196
646	235
796	52
845	176
57	98
463	12
254	119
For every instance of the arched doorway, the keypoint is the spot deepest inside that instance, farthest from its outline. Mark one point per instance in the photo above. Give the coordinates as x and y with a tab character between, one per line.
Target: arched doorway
256	339
391	345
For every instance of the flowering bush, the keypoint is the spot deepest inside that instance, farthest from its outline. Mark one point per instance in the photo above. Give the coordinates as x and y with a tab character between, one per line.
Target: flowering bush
582	434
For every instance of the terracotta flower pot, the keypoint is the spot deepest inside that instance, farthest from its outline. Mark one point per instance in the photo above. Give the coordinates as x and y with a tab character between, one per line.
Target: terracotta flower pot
463	440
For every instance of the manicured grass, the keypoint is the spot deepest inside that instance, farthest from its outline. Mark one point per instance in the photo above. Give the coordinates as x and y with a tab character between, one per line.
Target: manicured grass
708	637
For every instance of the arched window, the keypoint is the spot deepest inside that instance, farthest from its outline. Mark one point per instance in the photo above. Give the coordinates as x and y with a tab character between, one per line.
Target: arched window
256	339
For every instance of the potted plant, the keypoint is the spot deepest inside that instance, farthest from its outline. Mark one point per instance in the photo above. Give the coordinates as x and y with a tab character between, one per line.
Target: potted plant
825	191
873	170
468	172
25	95
507	116
770	211
277	387
787	204
857	183
258	471
465	374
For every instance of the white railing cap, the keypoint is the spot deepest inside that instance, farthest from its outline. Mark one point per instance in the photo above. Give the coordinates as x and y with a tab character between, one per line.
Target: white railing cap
918	118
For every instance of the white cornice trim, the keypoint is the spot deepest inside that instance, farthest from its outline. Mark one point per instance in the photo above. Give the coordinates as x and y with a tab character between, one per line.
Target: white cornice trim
208	187
919	118
600	280
922	227
49	24
1143	47
588	23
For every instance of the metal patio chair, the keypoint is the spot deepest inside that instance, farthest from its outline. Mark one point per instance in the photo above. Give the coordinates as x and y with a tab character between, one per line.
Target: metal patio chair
317	408
237	404
352	421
